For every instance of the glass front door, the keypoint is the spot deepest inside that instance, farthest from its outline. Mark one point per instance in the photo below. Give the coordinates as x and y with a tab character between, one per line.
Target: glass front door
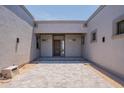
58	45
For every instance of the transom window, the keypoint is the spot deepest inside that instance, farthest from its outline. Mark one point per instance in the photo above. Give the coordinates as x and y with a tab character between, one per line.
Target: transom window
120	27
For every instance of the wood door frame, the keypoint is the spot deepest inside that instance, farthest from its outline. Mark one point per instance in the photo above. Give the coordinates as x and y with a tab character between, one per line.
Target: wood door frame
53	43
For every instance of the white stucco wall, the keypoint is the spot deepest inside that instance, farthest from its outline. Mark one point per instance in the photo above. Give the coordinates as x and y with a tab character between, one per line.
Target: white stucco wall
73	48
111	53
46	46
60	27
11	27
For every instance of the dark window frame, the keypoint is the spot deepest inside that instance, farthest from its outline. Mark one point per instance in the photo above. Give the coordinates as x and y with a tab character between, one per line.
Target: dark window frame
119	31
94	36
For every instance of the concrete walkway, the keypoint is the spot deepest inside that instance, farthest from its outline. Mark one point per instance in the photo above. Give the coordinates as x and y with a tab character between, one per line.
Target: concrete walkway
45	75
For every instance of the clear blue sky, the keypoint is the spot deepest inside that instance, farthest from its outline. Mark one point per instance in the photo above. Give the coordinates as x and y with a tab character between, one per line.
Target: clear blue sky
61	12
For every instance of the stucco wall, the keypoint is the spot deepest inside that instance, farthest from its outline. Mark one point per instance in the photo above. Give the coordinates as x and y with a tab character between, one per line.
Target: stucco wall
73	48
16	9
34	52
46	46
15	23
109	54
60	27
11	28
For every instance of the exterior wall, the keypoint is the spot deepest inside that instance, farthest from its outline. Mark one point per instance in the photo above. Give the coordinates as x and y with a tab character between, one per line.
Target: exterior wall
12	27
73	48
60	27
109	54
21	13
16	23
46	46
34	52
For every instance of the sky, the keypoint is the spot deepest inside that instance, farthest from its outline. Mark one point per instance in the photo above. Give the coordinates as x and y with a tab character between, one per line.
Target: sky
61	12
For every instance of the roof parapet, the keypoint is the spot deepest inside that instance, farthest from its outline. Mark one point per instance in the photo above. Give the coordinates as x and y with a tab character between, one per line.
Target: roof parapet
95	13
25	9
82	21
60	21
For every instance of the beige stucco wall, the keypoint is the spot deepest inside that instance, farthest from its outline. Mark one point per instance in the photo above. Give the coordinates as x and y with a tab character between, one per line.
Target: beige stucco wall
46	46
111	53
60	27
11	27
73	48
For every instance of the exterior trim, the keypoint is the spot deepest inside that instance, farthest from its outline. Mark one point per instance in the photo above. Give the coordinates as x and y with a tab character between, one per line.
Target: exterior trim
118	36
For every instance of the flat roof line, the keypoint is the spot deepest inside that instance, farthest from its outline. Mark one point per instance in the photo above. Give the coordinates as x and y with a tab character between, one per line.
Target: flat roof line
60	21
95	13
83	21
26	10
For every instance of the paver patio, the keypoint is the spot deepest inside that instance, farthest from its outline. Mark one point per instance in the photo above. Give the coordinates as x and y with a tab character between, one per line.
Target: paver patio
58	75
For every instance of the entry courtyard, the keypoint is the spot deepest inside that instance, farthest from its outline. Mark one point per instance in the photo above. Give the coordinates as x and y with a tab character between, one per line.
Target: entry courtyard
56	74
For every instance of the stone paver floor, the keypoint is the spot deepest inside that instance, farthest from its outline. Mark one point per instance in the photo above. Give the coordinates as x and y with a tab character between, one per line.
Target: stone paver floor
71	75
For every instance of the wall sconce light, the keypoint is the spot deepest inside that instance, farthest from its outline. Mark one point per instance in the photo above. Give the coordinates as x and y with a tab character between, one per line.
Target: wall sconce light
17	40
103	39
17	43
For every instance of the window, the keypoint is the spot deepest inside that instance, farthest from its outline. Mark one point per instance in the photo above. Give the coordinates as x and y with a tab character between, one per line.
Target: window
83	40
35	25
120	27
38	41
93	36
